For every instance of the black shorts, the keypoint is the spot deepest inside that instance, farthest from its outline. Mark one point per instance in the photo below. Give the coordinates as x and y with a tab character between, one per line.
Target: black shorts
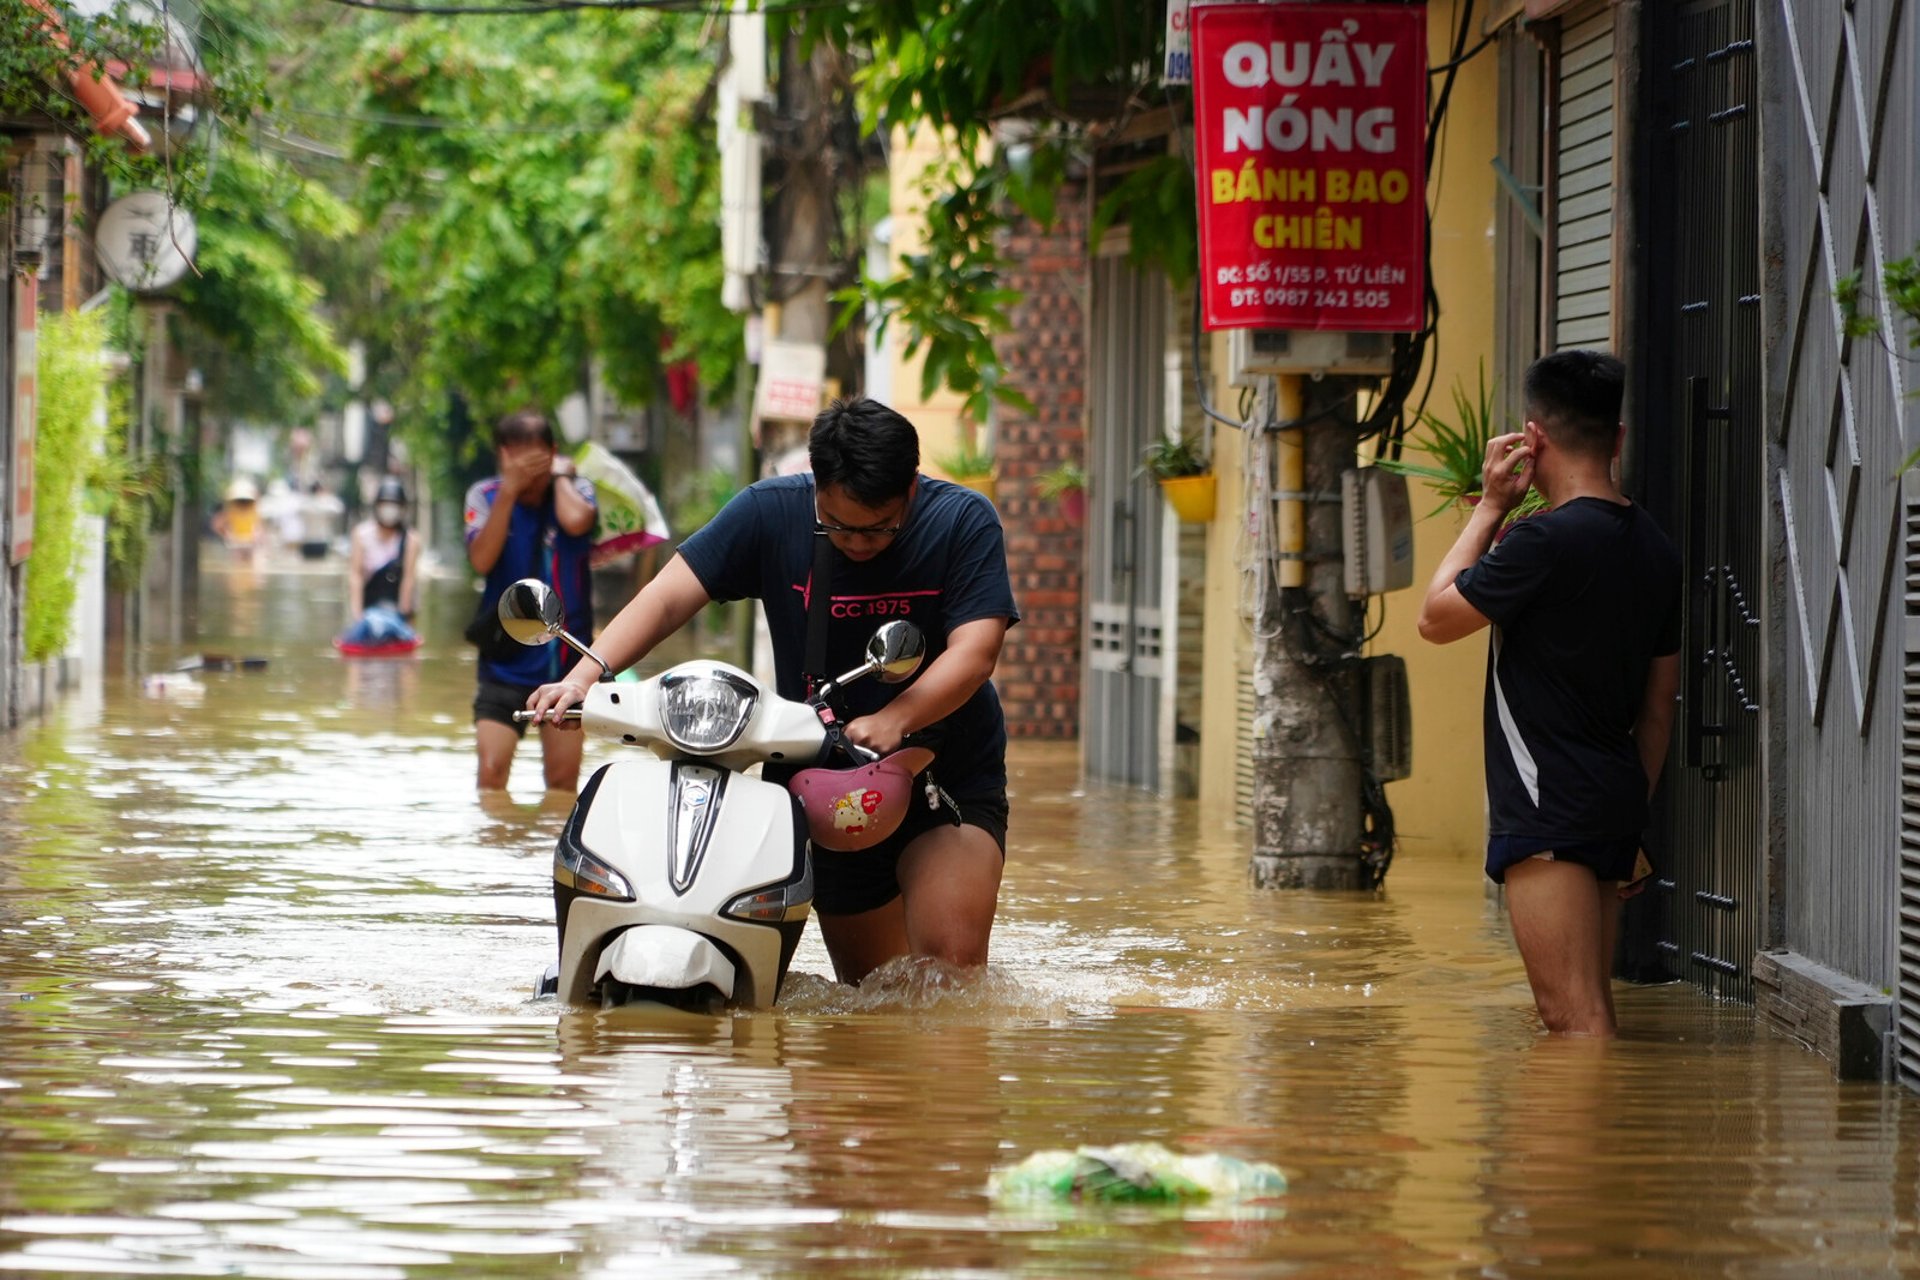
846	884
497	702
1607	859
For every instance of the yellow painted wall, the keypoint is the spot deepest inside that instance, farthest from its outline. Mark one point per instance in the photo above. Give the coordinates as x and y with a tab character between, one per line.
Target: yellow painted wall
1440	808
938	417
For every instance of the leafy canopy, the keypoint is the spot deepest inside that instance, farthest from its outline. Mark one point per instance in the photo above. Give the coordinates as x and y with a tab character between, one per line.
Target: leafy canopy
1073	71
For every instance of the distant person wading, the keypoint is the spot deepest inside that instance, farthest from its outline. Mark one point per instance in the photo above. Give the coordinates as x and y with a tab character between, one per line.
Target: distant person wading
533	520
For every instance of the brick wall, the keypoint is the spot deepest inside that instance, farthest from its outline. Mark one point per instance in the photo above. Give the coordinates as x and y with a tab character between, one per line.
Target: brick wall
1045	356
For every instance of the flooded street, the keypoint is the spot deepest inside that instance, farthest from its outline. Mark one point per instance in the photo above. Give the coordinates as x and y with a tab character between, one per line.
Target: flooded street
265	977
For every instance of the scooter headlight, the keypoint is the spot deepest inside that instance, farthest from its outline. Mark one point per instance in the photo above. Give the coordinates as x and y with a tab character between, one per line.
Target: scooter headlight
579	870
789	901
704	711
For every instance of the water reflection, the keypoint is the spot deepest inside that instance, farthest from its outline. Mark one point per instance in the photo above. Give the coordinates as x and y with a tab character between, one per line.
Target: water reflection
265	963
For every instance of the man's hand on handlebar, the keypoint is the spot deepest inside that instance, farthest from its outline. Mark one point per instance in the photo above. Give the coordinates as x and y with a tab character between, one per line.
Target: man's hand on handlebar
549	700
880	732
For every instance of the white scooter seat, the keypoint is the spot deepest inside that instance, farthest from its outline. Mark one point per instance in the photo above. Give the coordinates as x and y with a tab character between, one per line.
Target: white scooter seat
666	957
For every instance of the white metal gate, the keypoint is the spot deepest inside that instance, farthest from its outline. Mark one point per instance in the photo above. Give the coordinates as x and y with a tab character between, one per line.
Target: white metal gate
1121	723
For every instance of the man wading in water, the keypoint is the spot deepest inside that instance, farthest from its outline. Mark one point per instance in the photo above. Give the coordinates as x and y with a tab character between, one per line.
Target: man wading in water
892	544
1584	600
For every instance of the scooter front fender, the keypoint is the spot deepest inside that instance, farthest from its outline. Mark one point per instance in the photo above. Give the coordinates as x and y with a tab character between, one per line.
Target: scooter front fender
668	958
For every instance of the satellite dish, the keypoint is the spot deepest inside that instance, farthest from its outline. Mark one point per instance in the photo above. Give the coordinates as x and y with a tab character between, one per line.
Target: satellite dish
145	241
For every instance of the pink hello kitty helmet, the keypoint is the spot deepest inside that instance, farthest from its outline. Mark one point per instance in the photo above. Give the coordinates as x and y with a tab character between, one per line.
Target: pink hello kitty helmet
853	809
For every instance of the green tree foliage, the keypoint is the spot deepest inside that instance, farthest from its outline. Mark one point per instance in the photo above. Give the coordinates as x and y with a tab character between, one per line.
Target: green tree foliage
72	386
547	196
1075	70
36	56
256	327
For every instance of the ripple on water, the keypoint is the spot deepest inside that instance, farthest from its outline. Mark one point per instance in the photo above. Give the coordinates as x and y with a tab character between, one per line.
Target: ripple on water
917	984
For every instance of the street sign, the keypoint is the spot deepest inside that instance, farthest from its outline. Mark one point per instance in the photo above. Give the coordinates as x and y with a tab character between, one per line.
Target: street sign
1310	129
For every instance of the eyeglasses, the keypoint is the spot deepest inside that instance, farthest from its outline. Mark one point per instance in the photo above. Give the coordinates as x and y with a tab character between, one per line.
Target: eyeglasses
863	530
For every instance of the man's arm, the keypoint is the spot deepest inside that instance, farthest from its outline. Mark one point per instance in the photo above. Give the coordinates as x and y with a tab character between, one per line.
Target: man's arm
1505	476
661	608
1445	615
972	652
1654	725
571	510
483	551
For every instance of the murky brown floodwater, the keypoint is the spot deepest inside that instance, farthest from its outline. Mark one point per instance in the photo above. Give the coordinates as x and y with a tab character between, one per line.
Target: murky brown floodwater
263	974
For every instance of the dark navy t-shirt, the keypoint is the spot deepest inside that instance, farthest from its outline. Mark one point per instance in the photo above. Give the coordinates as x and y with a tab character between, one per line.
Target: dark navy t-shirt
947	566
1581	598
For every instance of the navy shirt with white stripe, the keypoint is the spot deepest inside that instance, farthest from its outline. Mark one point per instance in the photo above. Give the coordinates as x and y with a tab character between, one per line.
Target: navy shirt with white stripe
1582	598
946	567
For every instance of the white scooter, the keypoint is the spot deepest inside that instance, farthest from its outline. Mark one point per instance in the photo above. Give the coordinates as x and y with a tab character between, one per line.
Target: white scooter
679	878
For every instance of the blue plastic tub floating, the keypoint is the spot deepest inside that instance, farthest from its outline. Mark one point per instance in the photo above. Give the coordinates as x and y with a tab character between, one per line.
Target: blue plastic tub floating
1133	1173
380	633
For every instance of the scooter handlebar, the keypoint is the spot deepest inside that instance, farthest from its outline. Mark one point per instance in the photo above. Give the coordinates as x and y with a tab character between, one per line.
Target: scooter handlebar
570	716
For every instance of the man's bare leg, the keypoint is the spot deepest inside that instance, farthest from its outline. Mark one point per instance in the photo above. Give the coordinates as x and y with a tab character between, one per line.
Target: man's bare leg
495	743
1561	923
560	752
950	883
949	890
1609	940
860	943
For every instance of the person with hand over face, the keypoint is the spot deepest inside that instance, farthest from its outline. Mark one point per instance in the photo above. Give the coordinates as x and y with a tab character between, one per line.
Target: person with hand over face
893	544
1582	670
533	520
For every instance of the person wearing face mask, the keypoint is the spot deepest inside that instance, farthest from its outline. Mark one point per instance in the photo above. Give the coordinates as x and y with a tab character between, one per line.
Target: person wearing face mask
382	575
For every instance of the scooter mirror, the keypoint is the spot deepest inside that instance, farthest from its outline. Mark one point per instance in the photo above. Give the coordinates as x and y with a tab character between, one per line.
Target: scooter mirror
530	612
896	650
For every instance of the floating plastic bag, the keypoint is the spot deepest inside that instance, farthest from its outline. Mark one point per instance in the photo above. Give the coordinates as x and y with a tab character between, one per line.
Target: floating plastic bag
1132	1173
630	518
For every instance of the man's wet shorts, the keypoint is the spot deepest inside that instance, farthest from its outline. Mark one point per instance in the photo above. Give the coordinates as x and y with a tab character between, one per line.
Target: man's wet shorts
498	702
849	883
1607	859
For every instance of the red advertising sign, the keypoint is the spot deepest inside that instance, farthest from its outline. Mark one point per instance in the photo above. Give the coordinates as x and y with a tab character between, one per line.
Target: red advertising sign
1310	121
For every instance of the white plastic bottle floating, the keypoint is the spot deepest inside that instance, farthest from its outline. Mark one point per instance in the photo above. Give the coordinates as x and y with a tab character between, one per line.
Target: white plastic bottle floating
171	684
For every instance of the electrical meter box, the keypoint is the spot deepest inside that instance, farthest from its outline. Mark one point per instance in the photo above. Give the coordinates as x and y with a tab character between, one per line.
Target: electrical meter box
1376	517
1389	718
1259	353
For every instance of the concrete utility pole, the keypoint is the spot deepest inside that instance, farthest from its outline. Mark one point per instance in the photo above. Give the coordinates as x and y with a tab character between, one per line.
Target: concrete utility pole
1307	771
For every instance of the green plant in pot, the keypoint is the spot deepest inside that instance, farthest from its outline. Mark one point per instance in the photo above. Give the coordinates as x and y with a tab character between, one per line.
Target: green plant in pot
1185	476
1457	450
969	465
1066	484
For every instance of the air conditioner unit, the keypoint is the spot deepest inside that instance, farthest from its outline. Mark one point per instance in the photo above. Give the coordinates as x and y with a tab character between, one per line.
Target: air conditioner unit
1376	523
1389	717
1258	353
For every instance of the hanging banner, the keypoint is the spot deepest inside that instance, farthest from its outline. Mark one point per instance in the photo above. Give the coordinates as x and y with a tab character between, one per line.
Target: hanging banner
26	416
1310	132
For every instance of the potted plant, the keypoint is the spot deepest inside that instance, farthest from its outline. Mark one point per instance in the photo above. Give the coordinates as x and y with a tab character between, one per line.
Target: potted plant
1067	485
969	465
1457	451
1184	477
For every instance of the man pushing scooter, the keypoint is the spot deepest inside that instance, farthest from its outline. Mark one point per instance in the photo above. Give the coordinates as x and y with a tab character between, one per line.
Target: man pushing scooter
864	538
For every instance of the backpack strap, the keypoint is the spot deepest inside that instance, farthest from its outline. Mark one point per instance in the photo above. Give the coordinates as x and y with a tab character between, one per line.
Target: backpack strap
819	602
